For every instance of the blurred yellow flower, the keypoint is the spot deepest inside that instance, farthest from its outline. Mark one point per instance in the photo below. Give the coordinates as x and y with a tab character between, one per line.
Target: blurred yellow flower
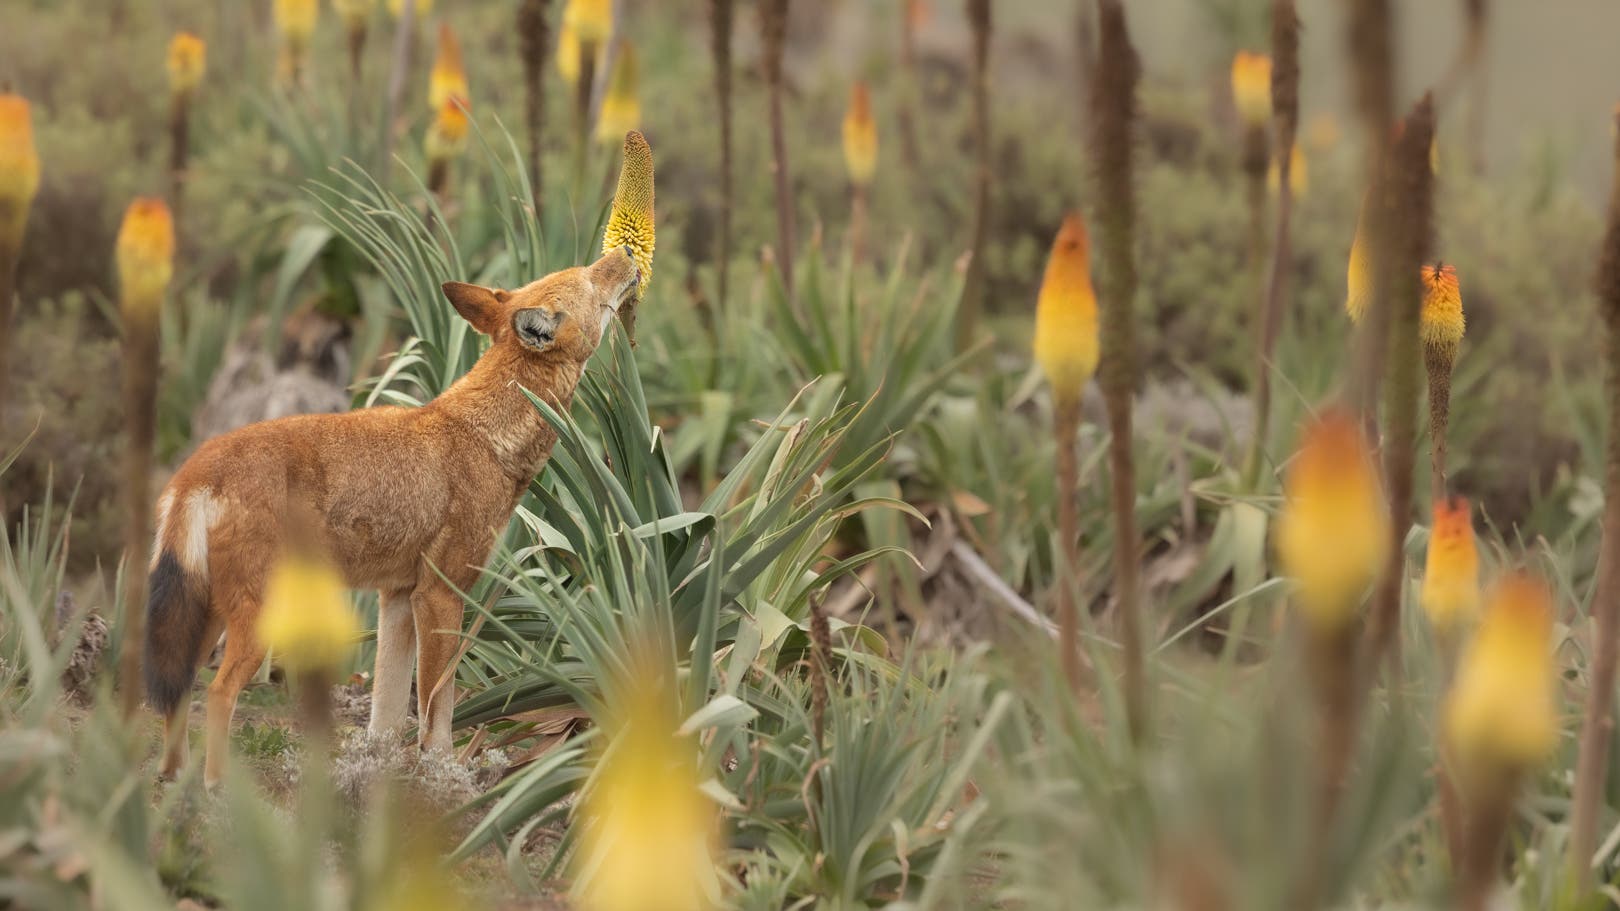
295	20
1251	87
145	255
1333	533
354	13
1066	313
648	830
1450	594
632	220
396	8
1500	715
568	54
447	136
1358	275
590	21
307	620
621	106
1442	322
1299	178
188	56
860	136
448	77
19	168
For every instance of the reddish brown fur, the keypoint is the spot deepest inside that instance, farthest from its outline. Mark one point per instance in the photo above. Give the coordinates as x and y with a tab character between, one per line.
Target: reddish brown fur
396	496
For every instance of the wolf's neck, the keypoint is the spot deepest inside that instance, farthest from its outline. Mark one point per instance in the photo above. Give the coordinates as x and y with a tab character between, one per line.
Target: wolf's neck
491	404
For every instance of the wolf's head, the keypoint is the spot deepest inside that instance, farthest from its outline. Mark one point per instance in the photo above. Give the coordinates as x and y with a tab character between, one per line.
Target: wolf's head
561	317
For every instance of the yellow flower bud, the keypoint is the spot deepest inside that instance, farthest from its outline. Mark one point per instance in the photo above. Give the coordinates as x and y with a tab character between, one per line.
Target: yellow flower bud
145	254
1451	571
354	13
188	56
307	620
19	169
590	20
295	20
396	8
1500	715
1334	530
1251	87
449	76
631	222
1442	320
1299	179
860	136
1066	313
447	136
621	106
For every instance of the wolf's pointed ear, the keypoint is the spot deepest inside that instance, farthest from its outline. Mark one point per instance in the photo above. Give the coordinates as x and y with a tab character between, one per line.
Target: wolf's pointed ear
477	305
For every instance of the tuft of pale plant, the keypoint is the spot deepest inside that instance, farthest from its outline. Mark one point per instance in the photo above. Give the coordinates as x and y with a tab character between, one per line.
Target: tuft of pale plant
19	181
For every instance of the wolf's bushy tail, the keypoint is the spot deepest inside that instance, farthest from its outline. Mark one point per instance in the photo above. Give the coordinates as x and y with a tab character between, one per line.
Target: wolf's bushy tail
176	621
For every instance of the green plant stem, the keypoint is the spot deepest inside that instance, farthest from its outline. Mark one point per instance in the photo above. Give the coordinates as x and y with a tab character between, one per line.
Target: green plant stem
1268	324
140	421
857	223
1066	425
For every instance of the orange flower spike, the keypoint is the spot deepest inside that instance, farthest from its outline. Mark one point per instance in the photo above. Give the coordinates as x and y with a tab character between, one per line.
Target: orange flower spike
1066	313
1251	87
1501	714
188	57
19	168
1333	533
1450	595
1443	322
860	136
145	254
449	76
447	136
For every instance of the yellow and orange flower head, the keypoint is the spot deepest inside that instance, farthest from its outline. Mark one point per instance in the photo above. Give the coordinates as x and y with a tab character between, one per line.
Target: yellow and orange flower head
307	620
1358	275
396	8
1299	178
860	136
1066	313
648	831
19	168
1500	714
591	21
1442	322
355	13
631	223
1251	87
188	56
447	136
145	255
1334	530
1450	594
449	76
295	21
621	105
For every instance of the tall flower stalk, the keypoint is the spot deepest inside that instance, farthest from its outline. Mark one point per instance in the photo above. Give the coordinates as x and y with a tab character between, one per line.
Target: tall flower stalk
1597	724
145	258
446	138
186	60
1370	34
1113	129
1283	95
912	13
1450	597
967	313
1251	93
19	182
1441	327
1066	349
356	16
532	39
590	23
773	27
632	222
720	17
295	23
860	160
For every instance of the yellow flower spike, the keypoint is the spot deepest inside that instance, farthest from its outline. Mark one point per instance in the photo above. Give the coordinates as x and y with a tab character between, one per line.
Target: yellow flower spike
1358	275
145	255
188	57
1251	87
568	54
447	136
396	8
307	620
449	77
591	21
648	830
860	136
19	168
1333	532
1500	714
1299	178
621	106
1450	594
355	13
631	223
1066	313
1442	321
295	20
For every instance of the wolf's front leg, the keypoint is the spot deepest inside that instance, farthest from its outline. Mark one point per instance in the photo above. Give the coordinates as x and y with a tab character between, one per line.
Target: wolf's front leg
396	649
438	611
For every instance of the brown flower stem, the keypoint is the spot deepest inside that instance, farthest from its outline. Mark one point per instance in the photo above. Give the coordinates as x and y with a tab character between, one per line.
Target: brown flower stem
179	148
1255	158
1597	724
1452	823
438	180
820	667
583	91
773	21
140	421
533	39
1486	816
967	316
357	56
1336	693
1067	428
1370	45
1113	125
857	223
1437	361
720	16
